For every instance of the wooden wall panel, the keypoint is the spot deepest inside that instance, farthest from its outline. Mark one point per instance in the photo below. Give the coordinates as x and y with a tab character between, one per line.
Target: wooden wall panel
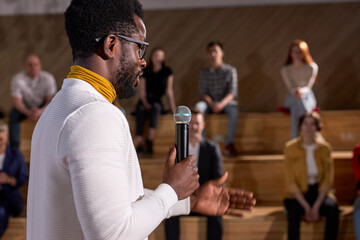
256	40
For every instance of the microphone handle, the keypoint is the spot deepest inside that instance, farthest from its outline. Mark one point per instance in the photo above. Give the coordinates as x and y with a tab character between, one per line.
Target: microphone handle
182	141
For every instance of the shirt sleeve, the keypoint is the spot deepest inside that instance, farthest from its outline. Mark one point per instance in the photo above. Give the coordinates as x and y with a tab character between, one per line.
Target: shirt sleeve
182	207
328	179
16	86
52	88
233	86
203	84
356	164
290	182
102	177
218	166
286	78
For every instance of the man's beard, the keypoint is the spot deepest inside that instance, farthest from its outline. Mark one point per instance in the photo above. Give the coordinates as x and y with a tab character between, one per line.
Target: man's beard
124	78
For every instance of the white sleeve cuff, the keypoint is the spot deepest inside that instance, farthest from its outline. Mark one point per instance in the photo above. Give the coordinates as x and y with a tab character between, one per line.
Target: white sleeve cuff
167	195
170	199
182	207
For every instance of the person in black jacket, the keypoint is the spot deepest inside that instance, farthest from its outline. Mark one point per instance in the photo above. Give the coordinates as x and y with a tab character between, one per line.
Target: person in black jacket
13	174
210	166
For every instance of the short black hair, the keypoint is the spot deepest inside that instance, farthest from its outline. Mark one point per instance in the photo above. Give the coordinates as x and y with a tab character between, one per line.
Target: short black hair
214	43
86	20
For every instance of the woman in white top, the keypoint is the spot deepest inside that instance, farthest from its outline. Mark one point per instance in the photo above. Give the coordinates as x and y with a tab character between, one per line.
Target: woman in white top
309	176
299	74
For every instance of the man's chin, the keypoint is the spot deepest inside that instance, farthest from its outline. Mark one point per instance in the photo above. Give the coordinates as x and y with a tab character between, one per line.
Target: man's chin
127	94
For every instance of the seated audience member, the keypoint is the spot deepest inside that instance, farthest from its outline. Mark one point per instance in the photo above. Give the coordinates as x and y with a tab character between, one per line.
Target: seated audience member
218	91
210	166
356	169
156	81
309	173
299	74
31	92
13	174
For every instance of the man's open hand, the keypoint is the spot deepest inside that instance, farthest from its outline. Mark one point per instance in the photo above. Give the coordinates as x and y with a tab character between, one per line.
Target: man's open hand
213	199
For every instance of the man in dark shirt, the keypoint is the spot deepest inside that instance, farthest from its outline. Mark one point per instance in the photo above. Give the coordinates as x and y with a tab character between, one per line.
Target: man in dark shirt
210	166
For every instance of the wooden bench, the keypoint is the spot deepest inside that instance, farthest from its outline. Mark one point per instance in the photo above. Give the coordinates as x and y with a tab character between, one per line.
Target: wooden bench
264	133
257	133
263	223
263	175
16	229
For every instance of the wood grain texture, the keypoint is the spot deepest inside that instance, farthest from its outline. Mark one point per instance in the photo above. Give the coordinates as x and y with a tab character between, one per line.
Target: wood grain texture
256	40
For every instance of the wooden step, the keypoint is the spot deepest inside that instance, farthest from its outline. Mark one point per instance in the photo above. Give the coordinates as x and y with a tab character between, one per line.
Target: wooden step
263	223
16	229
257	133
264	132
261	174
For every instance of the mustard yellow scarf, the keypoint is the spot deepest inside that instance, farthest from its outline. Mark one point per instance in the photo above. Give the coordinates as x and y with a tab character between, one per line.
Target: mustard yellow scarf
101	84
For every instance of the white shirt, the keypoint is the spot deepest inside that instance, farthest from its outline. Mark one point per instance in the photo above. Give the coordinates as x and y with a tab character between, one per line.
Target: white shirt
33	91
85	179
195	150
303	77
311	164
2	160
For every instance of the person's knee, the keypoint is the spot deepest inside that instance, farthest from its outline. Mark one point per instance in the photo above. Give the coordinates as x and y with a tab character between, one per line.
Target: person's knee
156	107
232	110
332	213
202	106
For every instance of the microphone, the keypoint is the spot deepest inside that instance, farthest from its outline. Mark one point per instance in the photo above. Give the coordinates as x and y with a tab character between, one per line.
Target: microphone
182	118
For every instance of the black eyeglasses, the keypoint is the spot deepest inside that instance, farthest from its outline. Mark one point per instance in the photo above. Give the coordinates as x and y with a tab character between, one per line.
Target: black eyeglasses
142	46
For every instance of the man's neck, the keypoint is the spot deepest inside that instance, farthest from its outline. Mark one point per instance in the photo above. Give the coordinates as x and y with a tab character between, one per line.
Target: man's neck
94	64
194	140
33	77
216	65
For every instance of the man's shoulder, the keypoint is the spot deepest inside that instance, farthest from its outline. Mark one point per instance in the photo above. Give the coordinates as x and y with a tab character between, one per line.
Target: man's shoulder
227	67
20	76
46	75
209	144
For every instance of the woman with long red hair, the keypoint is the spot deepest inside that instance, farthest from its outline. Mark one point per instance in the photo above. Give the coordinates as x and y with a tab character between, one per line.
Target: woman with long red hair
299	74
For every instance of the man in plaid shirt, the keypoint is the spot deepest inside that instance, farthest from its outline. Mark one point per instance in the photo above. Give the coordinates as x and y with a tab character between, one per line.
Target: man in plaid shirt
218	91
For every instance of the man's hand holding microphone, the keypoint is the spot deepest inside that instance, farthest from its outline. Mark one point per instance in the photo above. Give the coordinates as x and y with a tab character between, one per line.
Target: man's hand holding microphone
212	198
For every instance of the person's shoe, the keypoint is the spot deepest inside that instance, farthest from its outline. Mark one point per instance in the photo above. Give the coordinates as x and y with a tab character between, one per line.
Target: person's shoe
230	150
149	147
140	149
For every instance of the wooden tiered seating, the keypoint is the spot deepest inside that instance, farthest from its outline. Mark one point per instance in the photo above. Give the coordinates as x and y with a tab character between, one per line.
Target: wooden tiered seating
260	138
16	229
263	223
265	133
263	175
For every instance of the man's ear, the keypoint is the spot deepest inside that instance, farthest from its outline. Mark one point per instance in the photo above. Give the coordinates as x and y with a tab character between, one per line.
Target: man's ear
109	45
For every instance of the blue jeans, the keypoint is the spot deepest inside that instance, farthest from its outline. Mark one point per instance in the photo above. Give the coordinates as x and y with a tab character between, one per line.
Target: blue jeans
4	214
15	118
356	217
298	107
232	111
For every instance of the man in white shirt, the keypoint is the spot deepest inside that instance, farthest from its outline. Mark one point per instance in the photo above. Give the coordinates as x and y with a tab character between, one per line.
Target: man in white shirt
85	180
31	92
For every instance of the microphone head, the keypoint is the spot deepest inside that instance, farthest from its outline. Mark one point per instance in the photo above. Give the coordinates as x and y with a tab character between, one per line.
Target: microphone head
182	114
